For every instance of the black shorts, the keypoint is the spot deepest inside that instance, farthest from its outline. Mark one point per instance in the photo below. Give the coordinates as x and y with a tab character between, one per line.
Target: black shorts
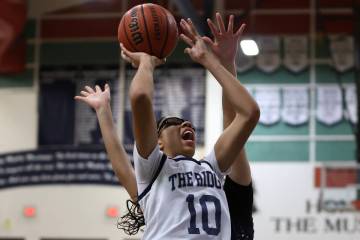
240	201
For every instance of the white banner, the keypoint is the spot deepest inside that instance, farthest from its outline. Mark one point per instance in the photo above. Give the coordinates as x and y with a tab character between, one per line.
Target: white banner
296	53
243	62
295	110
351	103
268	59
329	104
268	99
342	51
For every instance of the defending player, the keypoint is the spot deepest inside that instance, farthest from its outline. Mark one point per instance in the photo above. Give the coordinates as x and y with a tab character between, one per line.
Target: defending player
170	176
238	184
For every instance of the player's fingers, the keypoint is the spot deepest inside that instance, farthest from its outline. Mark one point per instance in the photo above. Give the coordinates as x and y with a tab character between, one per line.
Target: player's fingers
79	98
187	51
186	28
97	88
213	28
231	24
107	87
160	61
126	52
240	31
187	40
84	93
208	41
126	58
89	89
220	23
192	27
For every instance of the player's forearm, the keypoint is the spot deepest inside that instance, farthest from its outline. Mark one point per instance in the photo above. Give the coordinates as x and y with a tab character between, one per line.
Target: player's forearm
237	95
116	153
142	85
141	94
228	111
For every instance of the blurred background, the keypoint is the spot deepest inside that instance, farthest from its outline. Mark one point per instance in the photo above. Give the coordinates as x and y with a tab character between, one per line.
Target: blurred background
55	180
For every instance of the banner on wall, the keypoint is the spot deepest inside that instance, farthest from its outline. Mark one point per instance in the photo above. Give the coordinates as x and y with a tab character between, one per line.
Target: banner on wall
268	99
56	166
329	108
243	62
64	121
342	52
268	59
178	92
295	105
296	53
351	103
12	43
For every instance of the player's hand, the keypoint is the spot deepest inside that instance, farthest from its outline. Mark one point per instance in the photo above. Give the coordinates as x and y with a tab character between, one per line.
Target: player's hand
225	43
197	50
135	58
95	98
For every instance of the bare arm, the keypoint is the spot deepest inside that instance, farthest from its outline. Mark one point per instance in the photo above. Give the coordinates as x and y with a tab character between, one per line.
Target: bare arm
141	95
246	110
100	101
225	46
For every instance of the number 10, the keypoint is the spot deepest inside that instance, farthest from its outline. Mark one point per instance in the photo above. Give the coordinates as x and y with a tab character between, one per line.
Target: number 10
205	215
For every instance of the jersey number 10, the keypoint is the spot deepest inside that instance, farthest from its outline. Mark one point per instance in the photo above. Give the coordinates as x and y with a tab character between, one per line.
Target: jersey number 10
205	215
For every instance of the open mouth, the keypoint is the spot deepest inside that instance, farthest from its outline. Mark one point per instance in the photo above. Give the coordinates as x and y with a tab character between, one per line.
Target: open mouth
188	135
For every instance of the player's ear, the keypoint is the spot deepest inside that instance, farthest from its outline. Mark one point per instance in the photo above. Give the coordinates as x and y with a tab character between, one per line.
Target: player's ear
161	144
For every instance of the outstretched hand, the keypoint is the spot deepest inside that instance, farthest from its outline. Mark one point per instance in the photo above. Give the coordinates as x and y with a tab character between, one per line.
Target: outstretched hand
136	57
225	43
197	50
95	98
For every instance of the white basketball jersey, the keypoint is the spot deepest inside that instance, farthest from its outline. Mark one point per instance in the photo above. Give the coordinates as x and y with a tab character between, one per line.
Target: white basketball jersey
182	198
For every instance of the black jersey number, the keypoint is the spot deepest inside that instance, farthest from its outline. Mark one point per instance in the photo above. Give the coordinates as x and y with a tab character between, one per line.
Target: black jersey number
204	214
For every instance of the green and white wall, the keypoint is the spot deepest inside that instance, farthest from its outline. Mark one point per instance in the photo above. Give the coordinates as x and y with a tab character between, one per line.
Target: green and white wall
283	158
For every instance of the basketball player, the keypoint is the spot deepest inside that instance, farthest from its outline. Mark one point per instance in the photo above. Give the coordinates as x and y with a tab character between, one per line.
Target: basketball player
166	173
238	184
100	102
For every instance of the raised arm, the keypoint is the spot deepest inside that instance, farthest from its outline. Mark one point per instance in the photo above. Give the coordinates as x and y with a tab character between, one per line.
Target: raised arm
246	110
225	46
100	101
141	94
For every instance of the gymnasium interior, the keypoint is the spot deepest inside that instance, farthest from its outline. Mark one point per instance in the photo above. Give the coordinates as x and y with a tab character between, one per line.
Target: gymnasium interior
56	182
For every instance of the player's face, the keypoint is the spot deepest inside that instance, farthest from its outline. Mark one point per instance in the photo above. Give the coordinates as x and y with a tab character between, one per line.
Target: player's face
177	137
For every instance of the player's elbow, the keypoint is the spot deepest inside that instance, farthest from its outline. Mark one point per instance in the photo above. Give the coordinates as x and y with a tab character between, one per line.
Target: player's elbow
253	113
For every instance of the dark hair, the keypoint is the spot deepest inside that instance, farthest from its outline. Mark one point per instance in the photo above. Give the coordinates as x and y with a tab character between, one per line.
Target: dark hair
133	220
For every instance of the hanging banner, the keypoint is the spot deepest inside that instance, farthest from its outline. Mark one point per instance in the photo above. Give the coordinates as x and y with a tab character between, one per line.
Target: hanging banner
329	104
87	128
342	52
296	53
268	59
243	62
74	119
350	111
295	110
268	99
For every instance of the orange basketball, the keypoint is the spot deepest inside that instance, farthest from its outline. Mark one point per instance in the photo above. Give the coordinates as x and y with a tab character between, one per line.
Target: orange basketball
148	28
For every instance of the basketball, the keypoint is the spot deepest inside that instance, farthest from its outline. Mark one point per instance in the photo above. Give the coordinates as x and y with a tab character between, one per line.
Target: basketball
148	28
